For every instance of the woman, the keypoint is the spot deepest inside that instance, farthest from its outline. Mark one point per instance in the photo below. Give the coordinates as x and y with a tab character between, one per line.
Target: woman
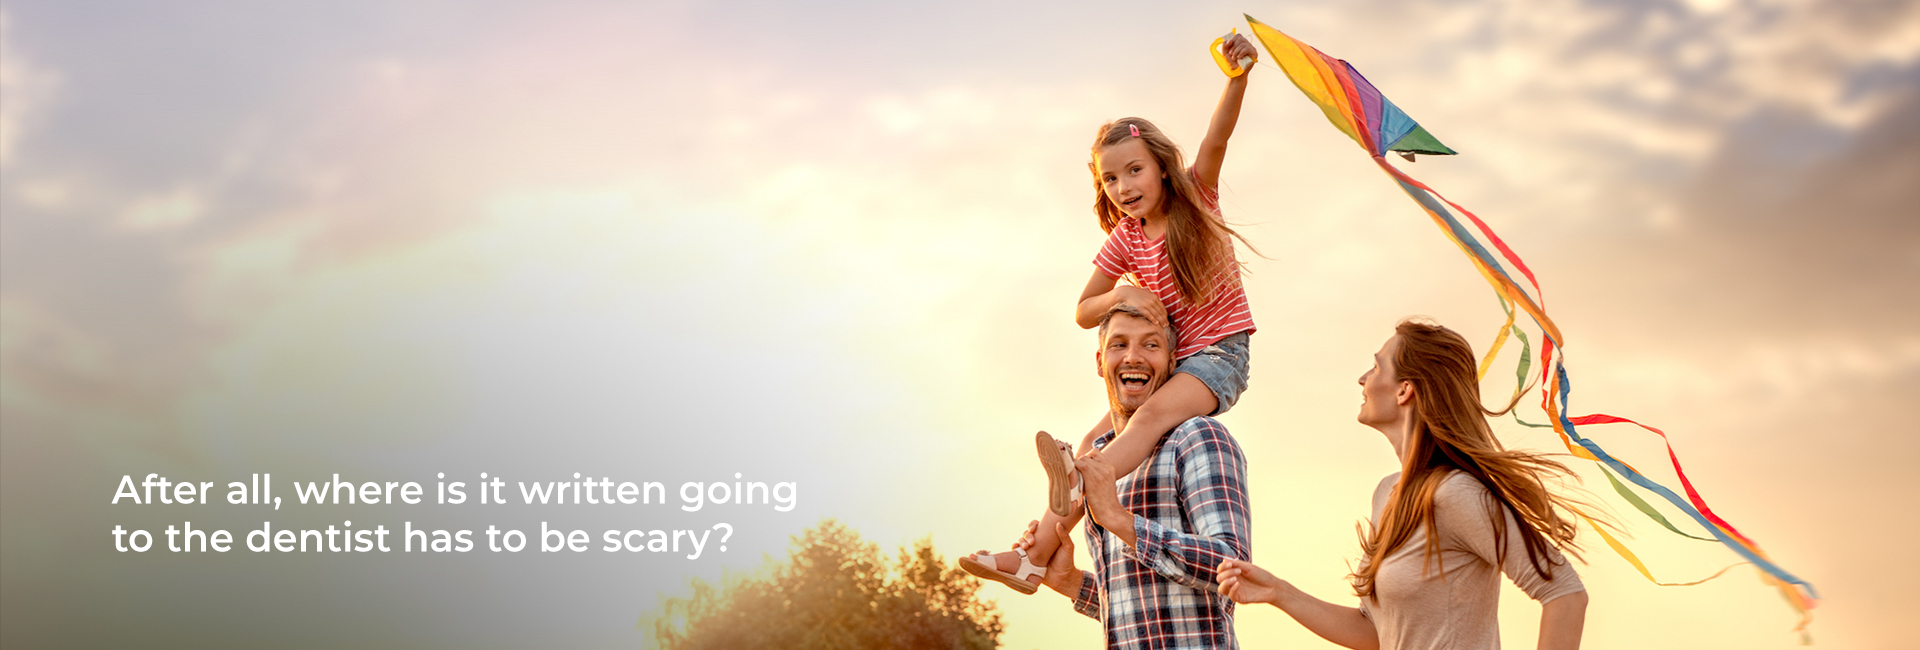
1461	511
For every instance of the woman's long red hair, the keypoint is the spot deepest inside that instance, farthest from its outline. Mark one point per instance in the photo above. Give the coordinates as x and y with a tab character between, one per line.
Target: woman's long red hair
1450	433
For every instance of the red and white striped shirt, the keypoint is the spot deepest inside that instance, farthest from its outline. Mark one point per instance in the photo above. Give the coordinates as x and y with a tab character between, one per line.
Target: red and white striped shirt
1129	251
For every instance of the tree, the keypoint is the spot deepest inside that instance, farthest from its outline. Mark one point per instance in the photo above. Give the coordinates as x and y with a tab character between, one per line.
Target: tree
836	591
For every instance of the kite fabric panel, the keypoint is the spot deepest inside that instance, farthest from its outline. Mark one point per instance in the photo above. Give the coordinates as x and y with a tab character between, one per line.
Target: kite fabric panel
1351	102
1363	113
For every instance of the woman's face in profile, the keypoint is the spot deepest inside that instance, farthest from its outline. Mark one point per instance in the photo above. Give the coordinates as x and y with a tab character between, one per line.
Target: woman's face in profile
1380	386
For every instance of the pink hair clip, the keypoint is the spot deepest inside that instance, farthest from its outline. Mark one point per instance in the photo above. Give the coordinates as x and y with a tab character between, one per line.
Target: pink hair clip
1135	130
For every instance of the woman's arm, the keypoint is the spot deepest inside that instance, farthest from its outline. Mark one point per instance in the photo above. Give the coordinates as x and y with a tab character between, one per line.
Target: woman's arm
1102	294
1213	148
1246	583
1561	621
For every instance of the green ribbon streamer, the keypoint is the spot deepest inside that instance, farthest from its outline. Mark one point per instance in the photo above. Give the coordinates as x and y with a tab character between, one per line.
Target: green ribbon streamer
1648	510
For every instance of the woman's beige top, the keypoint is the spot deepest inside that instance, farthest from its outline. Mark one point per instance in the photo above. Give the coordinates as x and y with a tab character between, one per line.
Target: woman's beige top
1416	611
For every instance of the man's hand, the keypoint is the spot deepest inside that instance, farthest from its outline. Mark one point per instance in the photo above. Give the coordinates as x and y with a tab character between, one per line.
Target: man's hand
1103	503
1061	575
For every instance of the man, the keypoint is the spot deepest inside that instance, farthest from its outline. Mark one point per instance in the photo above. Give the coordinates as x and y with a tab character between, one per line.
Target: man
1157	535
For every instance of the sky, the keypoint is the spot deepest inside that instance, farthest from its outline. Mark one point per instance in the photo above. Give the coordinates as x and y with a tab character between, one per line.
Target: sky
836	244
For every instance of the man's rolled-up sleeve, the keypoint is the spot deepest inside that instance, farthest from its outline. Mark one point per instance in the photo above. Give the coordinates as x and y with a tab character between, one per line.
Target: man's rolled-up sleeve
1213	480
1088	602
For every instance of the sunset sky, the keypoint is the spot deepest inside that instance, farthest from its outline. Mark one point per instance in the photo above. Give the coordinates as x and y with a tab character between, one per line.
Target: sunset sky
838	244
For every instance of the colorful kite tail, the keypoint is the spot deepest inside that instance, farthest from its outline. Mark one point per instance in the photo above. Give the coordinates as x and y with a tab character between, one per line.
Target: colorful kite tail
1358	109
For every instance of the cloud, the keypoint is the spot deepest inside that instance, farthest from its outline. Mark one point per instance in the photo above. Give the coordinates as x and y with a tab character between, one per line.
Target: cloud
1802	226
27	87
1596	109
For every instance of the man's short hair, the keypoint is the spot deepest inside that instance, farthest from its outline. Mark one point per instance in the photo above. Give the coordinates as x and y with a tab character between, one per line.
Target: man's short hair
1173	342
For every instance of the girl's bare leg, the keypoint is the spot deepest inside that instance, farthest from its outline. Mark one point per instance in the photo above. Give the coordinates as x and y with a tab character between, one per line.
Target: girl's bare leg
1182	398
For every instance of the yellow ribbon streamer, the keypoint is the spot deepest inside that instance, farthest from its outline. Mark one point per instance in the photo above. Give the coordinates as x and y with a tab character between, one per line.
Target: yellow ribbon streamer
1635	560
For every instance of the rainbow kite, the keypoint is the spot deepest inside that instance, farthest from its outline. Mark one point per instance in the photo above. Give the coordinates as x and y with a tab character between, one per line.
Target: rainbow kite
1359	110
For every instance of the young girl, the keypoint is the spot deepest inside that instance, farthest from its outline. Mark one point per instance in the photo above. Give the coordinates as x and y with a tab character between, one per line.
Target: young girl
1166	237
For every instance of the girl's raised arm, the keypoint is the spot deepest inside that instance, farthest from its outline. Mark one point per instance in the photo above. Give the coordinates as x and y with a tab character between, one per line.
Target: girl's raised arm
1213	148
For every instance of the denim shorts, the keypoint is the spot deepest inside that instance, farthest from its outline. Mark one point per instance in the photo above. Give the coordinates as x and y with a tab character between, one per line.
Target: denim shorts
1222	367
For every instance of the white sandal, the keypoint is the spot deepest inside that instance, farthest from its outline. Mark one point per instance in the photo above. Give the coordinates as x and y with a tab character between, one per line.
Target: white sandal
982	565
1063	484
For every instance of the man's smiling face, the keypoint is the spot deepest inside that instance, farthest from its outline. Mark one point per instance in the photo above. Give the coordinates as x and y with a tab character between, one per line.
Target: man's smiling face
1135	358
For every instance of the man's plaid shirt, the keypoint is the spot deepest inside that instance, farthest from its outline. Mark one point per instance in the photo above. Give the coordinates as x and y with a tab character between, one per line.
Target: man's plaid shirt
1189	501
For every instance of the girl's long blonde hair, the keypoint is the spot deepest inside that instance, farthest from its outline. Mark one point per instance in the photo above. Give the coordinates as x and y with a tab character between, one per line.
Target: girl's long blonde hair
1199	242
1449	433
